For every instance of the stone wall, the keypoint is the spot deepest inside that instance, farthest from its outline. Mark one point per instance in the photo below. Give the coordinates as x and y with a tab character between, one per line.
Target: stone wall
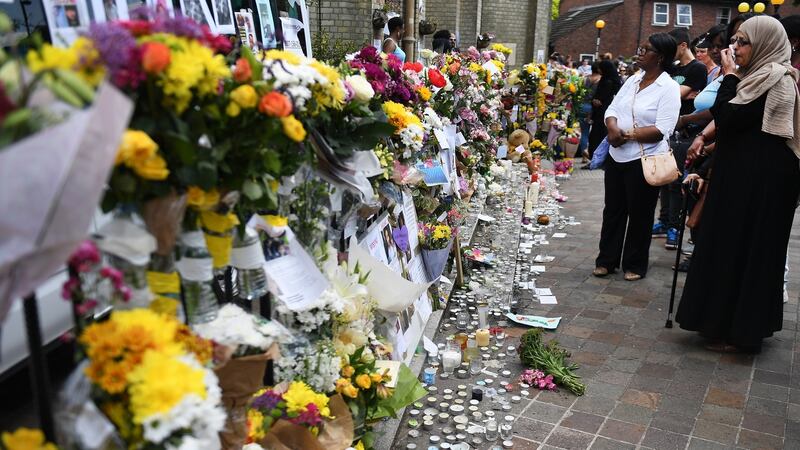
343	19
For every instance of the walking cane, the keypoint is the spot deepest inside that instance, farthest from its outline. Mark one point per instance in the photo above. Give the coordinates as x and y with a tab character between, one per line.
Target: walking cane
684	212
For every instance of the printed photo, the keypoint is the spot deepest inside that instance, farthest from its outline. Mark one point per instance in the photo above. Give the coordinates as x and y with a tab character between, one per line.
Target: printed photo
223	16
198	11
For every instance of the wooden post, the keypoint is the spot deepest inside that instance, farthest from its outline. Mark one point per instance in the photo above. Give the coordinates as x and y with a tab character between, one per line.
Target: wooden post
38	368
459	262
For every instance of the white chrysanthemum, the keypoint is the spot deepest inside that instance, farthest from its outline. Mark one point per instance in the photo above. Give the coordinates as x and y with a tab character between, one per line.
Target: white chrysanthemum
234	327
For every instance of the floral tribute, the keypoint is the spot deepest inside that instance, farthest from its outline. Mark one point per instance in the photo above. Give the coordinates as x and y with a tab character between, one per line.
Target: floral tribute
296	403
434	236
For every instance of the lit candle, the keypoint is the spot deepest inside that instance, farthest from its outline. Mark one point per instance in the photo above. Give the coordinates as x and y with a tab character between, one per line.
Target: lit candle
482	336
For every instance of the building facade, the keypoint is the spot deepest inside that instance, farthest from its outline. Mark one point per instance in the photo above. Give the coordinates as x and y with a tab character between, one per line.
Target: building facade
630	22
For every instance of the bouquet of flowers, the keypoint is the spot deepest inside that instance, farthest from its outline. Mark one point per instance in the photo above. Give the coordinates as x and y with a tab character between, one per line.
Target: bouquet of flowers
538	379
435	241
409	132
294	415
363	388
386	76
149	377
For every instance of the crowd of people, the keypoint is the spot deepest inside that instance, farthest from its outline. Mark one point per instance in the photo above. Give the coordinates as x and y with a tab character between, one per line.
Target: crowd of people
726	105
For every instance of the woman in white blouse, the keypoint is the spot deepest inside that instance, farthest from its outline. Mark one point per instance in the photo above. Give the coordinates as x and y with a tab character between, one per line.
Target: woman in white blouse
641	118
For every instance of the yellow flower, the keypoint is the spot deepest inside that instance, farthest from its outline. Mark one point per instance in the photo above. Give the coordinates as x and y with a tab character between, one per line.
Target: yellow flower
276	221
300	395
289	57
255	425
572	88
165	305
201	199
475	67
348	371
154	168
376	377
139	152
160	382
293	128
364	381
359	445
26	439
530	68
350	391
424	93
499	64
233	110
245	96
81	57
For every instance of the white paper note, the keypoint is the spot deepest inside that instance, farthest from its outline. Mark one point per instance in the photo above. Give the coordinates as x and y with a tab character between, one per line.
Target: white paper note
547	300
559	235
544	291
299	281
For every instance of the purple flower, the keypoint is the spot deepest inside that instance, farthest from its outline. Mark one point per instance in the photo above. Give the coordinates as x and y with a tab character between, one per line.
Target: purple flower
267	401
179	25
310	417
467	114
375	72
349	92
85	256
118	50
369	54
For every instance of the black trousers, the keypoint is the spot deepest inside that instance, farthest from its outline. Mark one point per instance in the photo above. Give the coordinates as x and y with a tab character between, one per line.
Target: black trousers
672	194
627	218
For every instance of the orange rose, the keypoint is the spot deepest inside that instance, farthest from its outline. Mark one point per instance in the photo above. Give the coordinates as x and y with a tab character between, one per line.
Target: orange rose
155	57
454	67
242	72
275	104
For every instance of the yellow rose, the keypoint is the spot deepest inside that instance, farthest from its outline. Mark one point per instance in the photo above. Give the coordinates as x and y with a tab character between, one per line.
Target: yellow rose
364	381
350	391
135	146
348	371
201	199
293	128
342	384
376	377
245	96
26	439
154	168
233	109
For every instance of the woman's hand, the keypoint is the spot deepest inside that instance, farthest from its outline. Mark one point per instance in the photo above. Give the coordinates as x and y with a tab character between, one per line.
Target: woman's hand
696	148
597	103
701	183
615	137
728	63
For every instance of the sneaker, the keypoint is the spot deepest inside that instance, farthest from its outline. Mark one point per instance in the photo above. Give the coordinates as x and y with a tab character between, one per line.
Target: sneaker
687	249
672	239
659	230
684	265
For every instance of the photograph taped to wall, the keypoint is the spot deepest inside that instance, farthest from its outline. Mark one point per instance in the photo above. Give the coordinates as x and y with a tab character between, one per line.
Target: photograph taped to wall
223	16
162	7
247	29
198	11
268	34
109	10
66	19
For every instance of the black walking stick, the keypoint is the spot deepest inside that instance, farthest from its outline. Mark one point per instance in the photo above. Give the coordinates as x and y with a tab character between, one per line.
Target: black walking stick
684	212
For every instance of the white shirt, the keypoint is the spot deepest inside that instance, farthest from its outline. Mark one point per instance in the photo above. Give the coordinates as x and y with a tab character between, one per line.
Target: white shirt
658	104
585	70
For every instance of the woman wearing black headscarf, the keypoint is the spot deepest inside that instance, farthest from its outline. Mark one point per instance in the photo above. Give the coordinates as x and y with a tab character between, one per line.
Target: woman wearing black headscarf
607	88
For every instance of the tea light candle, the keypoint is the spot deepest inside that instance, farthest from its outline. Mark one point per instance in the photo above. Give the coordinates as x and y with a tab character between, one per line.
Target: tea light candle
461	427
413	413
462	394
456	409
473	408
431	400
458	401
460	420
427	425
506	373
477	441
508	444
444	417
427	418
524	393
447	430
451	439
418	405
431	412
433	390
413	423
411	446
462	387
444	406
489	414
506	407
434	439
447	392
447	398
476	415
482	337
462	374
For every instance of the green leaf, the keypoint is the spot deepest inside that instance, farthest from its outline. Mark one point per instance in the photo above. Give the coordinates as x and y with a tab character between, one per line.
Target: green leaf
179	145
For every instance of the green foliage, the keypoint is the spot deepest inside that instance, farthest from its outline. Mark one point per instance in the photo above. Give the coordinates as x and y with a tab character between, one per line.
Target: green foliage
331	50
554	9
551	359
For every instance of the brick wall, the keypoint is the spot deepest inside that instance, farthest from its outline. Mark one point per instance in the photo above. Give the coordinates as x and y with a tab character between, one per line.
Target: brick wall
343	19
624	30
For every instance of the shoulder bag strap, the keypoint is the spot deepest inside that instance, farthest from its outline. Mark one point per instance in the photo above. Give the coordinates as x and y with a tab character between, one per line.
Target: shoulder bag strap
633	116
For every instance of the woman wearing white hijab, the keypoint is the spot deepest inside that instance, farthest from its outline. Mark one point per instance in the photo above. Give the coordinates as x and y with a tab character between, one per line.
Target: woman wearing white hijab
733	293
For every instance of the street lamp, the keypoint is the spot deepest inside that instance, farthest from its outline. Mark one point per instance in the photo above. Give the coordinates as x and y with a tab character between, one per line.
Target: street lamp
776	5
600	24
744	8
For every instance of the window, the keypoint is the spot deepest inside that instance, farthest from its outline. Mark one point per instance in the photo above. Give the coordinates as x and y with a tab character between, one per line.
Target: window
683	18
723	15
589	56
661	14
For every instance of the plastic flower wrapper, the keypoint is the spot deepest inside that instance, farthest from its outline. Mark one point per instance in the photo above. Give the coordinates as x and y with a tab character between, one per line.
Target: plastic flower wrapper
244	332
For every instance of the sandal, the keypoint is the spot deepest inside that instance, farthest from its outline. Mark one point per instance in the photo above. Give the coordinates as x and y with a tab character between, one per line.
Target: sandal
600	272
630	276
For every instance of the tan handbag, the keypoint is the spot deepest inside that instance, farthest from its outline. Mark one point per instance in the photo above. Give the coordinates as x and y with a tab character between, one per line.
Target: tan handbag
661	169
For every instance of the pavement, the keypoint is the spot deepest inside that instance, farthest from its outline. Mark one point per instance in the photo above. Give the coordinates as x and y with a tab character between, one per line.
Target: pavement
649	386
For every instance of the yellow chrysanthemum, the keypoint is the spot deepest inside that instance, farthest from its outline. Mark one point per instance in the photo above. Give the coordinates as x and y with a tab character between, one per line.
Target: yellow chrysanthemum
139	152
332	94
26	439
255	425
424	93
160	382
475	67
289	57
81	57
300	395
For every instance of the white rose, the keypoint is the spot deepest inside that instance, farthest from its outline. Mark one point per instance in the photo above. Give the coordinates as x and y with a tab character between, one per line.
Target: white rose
362	89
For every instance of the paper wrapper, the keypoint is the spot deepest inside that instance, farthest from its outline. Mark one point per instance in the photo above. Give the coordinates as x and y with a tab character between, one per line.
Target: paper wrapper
163	217
435	260
239	379
336	434
50	186
218	231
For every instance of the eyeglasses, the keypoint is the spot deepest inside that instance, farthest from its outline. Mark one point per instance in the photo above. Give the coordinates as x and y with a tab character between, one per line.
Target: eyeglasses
741	42
641	51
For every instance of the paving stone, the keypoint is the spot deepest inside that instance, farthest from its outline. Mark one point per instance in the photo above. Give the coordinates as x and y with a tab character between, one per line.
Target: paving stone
601	443
622	431
716	432
765	376
662	371
664	440
763	423
613	377
632	413
607	337
766	407
576	331
650	384
769	391
524	444
594	405
754	439
669	421
560	398
649	400
566	438
702	444
532	430
682	406
728	399
793	413
544	412
792	430
604	389
721	414
580	421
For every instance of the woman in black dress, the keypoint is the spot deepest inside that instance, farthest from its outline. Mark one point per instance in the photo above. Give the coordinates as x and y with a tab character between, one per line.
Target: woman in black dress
733	293
607	88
